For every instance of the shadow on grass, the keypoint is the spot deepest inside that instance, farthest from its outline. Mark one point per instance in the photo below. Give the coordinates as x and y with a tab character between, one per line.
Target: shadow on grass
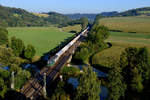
43	61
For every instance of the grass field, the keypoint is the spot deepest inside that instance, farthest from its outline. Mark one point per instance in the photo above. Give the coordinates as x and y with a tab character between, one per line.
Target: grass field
140	24
120	41
42	38
76	28
41	15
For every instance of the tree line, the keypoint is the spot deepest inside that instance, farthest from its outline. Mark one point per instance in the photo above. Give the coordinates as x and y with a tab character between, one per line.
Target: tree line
16	17
128	79
13	53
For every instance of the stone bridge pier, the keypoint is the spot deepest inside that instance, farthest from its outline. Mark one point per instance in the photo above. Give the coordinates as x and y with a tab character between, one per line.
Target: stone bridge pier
70	58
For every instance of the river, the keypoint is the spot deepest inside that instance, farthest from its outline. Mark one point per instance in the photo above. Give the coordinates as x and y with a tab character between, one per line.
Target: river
104	90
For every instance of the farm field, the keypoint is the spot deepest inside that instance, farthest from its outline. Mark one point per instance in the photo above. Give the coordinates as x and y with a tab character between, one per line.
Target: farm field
139	24
120	41
42	38
75	28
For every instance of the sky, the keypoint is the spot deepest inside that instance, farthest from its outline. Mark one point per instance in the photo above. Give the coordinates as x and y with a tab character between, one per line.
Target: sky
76	6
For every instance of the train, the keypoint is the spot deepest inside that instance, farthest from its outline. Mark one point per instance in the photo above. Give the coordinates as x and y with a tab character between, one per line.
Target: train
51	62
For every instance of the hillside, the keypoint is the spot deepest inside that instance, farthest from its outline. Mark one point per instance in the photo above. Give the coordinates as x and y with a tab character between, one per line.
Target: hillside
12	17
132	24
136	12
133	12
56	18
91	17
18	17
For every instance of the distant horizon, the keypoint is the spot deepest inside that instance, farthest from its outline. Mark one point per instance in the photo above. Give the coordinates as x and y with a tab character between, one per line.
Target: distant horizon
75	7
71	13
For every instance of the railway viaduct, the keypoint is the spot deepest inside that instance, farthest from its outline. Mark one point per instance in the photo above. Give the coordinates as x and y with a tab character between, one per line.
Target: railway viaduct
36	86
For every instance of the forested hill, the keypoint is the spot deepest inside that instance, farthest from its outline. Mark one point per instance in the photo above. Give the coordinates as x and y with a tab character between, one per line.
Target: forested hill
91	16
11	17
133	12
136	12
58	18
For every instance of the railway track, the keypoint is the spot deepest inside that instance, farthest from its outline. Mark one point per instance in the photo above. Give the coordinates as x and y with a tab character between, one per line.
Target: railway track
34	87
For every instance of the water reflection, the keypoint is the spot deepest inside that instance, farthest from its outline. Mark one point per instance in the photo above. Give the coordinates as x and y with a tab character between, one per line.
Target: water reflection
75	82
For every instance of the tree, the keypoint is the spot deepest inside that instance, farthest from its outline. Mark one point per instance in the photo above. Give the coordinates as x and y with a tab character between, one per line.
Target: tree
59	93
136	80
99	33
21	76
6	55
3	88
81	55
84	22
97	36
29	52
97	19
89	86
17	45
116	85
135	67
3	36
144	62
4	82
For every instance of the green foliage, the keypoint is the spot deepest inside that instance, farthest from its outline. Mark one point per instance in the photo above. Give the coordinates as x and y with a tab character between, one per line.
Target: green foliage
97	18
135	65
81	55
69	71
144	62
56	18
89	86
21	77
59	93
3	88
94	43
116	85
29	52
136	80
135	12
18	17
13	17
84	22
97	36
4	82
6	56
17	45
3	36
59	96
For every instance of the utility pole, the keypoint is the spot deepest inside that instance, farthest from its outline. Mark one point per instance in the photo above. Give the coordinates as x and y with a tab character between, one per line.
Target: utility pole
44	87
12	80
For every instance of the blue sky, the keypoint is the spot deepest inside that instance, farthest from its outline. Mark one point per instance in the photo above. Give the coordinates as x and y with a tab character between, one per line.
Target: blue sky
76	6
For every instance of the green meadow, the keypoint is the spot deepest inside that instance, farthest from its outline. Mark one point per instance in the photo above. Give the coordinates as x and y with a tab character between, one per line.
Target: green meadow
139	24
42	38
76	28
119	42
